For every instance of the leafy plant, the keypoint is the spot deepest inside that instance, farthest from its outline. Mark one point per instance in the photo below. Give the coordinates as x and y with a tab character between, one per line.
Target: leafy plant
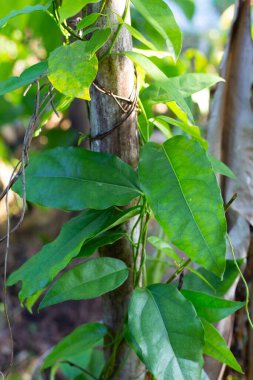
169	329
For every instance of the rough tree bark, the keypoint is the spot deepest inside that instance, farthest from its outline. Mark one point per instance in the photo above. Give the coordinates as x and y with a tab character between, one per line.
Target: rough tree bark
116	73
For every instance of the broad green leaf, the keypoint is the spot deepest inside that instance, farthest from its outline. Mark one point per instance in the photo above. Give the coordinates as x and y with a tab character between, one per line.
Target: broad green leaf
28	76
163	246
220	167
186	200
159	15
108	237
99	37
72	69
23	11
166	333
191	130
87	21
81	339
139	36
87	280
70	8
198	274
75	178
42	268
211	308
163	90
216	347
191	282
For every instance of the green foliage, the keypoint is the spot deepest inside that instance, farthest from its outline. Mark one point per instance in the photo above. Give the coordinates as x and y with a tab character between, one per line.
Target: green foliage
81	339
169	329
76	178
186	194
163	326
87	280
216	347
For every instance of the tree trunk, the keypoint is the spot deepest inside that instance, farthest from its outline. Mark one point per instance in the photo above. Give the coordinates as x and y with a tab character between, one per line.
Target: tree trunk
117	75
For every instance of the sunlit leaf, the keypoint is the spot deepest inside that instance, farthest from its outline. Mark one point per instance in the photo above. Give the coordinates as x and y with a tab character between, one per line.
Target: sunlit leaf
70	8
25	10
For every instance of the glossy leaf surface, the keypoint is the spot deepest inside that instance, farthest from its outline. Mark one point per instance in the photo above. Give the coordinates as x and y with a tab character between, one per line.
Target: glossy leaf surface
216	347
163	325
186	201
159	15
81	339
37	272
211	308
75	178
88	280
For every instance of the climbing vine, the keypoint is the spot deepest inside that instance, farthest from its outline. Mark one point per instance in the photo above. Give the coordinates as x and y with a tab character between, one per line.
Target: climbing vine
169	324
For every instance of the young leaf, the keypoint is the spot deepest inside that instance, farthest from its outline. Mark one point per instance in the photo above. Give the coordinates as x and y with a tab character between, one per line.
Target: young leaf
75	178
159	15
87	21
108	237
220	168
166	333
81	339
216	347
28	76
70	8
186	201
88	280
211	308
23	11
42	268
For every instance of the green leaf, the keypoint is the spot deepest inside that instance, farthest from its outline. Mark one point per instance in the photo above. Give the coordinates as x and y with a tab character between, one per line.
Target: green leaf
163	246
87	21
187	6
216	347
70	8
99	37
154	72
211	308
186	200
81	339
108	237
75	178
25	10
42	268
159	15
220	167
27	77
163	90
72	69
86	281
191	130
191	282
166	333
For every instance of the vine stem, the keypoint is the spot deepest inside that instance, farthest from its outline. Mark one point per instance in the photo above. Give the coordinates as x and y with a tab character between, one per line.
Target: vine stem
115	37
243	280
178	271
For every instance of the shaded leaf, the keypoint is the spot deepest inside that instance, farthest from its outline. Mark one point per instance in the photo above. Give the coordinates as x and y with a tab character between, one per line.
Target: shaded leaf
159	15
185	197
76	178
88	280
42	268
25	10
220	168
191	282
70	8
211	308
28	76
216	347
163	246
81	339
166	332
101	240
